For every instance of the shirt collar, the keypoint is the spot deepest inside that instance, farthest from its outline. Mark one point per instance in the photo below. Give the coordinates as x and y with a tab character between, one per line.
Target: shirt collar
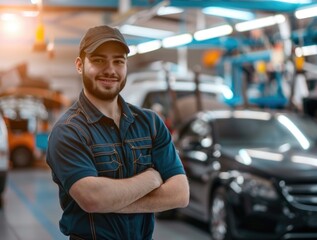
94	115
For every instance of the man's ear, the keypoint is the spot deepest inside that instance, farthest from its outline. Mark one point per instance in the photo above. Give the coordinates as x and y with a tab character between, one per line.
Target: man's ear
79	65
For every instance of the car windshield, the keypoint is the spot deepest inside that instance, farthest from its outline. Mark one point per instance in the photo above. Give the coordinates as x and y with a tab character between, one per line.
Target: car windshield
164	97
275	132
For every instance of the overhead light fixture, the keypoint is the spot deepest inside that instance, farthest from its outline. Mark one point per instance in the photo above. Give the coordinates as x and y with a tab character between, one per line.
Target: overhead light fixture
306	12
12	24
169	10
177	40
36	1
145	32
133	50
149	46
228	13
259	23
306	51
295	1
213	32
30	13
8	17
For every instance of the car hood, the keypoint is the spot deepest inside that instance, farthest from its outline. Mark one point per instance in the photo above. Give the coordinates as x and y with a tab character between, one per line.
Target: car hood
281	163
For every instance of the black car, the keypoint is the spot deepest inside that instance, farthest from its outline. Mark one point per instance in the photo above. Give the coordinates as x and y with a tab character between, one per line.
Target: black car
252	174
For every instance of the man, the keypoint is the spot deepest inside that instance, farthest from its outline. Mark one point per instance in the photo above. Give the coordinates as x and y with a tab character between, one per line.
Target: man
114	163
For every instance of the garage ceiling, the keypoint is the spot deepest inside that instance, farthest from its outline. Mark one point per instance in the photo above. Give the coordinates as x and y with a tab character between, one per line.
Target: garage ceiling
66	21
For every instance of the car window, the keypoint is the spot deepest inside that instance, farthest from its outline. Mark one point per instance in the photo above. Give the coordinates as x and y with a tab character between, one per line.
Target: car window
307	125
18	125
251	132
196	134
165	99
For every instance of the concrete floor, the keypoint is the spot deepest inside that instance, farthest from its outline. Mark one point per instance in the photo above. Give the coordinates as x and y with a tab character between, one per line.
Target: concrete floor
31	211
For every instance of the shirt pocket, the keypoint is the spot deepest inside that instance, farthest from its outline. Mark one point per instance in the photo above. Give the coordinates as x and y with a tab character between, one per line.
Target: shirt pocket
142	154
107	161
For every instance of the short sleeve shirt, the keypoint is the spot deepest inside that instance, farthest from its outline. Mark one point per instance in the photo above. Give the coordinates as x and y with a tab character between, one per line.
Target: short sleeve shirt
84	142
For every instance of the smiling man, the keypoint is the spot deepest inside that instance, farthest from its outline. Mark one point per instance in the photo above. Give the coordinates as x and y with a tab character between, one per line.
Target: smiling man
115	164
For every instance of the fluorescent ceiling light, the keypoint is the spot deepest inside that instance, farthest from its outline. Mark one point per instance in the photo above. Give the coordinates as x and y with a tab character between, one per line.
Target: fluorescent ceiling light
177	40
295	1
145	32
30	13
228	13
306	51
133	50
12	24
306	12
36	1
8	17
213	32
169	10
260	23
149	46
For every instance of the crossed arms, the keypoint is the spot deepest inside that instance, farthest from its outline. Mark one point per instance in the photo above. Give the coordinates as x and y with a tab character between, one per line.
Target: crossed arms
145	192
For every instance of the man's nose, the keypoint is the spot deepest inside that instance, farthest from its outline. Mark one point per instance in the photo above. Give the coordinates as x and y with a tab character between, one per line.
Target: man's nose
109	68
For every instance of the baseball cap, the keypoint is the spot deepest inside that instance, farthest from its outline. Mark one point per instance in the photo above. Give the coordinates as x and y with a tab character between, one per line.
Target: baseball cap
98	35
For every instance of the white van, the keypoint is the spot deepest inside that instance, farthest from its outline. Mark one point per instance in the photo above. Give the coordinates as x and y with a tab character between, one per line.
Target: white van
4	158
147	88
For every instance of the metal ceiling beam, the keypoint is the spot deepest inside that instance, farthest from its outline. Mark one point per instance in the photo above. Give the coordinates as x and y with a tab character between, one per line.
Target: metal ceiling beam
261	5
56	8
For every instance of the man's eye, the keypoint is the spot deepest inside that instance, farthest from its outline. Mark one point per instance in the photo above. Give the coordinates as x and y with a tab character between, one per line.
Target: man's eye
119	61
98	60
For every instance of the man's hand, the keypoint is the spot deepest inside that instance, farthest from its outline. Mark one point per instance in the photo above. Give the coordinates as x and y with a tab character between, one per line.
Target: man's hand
173	193
155	175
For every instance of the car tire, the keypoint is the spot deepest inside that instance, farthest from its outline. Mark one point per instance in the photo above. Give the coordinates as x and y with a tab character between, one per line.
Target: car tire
21	157
219	224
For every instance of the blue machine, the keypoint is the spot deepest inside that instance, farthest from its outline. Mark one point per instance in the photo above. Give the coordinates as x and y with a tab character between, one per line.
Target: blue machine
235	78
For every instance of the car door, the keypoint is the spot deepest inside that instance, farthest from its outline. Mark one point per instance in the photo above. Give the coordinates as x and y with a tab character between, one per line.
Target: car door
197	151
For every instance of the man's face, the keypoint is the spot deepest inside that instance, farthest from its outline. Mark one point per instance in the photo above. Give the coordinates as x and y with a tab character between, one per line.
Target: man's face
104	71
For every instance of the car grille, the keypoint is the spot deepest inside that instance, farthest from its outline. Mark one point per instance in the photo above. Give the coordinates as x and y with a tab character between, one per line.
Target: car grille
303	196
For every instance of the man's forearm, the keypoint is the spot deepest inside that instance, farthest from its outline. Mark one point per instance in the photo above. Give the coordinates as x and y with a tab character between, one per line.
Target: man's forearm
174	193
97	194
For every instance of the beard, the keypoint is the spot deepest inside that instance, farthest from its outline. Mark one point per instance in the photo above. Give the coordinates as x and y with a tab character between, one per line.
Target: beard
102	94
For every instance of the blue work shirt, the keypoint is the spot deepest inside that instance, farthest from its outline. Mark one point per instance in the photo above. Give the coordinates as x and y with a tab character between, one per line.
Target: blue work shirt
84	142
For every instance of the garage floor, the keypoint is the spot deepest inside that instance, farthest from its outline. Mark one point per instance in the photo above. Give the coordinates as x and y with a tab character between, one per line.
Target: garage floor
31	211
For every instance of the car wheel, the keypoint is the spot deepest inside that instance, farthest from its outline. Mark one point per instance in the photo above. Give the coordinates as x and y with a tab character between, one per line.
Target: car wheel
21	157
218	221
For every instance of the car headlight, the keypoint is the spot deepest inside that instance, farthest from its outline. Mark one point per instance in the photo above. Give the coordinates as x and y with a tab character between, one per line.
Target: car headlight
255	186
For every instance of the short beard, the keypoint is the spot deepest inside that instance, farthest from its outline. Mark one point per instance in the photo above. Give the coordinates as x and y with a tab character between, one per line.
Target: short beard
107	96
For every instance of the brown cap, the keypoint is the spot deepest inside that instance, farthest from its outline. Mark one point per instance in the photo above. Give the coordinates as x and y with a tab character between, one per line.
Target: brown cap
96	36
